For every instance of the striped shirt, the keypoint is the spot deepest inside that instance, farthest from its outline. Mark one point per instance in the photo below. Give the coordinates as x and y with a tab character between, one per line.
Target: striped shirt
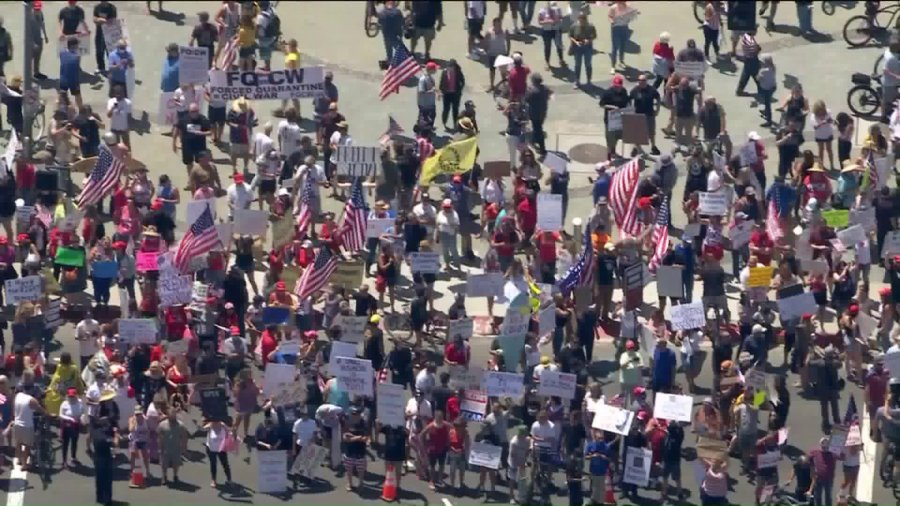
749	47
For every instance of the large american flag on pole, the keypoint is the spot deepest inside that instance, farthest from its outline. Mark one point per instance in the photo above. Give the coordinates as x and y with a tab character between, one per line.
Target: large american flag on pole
402	66
353	229
773	221
228	54
393	129
200	239
316	276
304	217
581	272
103	177
623	197
660	235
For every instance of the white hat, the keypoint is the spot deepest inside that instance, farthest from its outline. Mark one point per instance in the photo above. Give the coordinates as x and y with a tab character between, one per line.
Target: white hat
110	138
753	136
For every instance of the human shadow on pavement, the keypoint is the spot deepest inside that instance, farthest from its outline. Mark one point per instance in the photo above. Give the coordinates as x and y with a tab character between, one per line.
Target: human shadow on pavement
182	486
408	496
169	17
235	492
141	125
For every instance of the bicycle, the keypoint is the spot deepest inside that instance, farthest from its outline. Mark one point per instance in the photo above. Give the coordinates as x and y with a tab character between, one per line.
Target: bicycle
864	99
700	11
371	24
875	23
45	454
782	497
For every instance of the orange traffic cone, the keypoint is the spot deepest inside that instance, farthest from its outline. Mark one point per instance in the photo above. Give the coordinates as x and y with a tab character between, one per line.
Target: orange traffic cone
389	491
137	473
610	498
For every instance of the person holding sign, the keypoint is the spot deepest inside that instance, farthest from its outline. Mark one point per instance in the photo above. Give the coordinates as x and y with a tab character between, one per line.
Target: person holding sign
355	438
219	441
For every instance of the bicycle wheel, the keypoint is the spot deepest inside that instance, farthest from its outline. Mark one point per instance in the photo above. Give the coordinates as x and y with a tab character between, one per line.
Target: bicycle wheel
878	68
863	100
39	126
700	12
858	31
372	26
828	8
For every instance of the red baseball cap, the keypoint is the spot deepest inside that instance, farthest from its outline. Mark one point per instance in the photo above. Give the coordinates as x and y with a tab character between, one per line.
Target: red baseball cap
807	316
235	330
156	205
629	345
618	80
853	309
72	392
645	202
280	286
119	245
239	177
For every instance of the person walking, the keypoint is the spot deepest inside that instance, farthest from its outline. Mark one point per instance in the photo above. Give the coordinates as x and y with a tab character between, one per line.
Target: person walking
646	101
750	49
537	98
104	12
355	436
581	36
550	18
70	412
219	439
620	15
451	85
426	96
712	26
104	437
173	439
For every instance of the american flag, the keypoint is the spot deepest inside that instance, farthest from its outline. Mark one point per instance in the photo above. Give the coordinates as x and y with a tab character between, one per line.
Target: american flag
353	229
660	235
623	197
102	179
228	54
304	218
314	277
773	225
201	238
852	414
393	129
401	67
870	176
581	272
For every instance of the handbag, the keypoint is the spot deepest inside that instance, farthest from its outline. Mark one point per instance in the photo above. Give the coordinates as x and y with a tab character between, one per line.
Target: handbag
230	444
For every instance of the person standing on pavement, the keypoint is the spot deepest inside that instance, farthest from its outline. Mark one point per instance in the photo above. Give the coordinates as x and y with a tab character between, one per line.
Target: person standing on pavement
118	110
70	72
537	98
804	17
550	18
614	100
712	26
40	38
169	82
663	59
475	13
426	96
581	36
218	439
451	86
428	18
824	464
390	19
354	435
268	29
104	437
684	97
173	439
619	17
71	21
750	49
120	61
205	34
495	43
193	131
766	83
104	11
645	100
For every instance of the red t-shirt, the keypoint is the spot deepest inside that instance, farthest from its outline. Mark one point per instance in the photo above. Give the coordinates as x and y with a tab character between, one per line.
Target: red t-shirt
762	240
527	215
877	386
438	438
518	80
656	438
453	409
547	248
267	346
457	354
506	248
25	176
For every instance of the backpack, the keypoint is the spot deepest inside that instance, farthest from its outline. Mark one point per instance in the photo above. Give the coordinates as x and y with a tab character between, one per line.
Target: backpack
273	29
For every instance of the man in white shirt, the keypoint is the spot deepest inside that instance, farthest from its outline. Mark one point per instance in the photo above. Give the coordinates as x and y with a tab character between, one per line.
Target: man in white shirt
262	142
426	213
309	169
418	409
86	333
118	110
544	433
24	408
426	380
304	429
289	134
447	224
240	195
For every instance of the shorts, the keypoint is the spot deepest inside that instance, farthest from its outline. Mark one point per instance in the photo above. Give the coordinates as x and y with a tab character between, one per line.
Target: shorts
217	115
74	89
247	52
23	436
718	301
826	139
672	470
189	157
425	33
437	459
455	461
475	26
265	51
167	461
140	445
356	466
267	187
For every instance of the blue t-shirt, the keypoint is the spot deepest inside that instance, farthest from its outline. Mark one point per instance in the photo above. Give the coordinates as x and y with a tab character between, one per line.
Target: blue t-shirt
601	187
169	82
598	465
282	358
119	61
69	69
663	365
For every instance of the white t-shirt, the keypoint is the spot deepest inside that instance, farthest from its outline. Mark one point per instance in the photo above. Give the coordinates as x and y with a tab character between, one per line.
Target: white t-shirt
426	213
121	112
546	432
184	99
823	128
22	411
339	140
475	9
240	195
288	138
316	172
262	143
87	346
215	438
304	430
425	381
448	223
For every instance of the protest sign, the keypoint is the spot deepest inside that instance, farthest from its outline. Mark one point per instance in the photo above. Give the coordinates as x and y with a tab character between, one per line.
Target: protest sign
614	120
84	43
271	472
307	82
892	363
196	207
349	274
485	285
836	218
113	30
557	384
549	208
637	466
502	384
556	163
193	65
375	227
714	203
391	404
518	317
138	330
428	262
756	379
669	281
214	403
891	244
852	235
795	306
863	216
22	289
107	269
474	405
465	378
691	69
634	285
612	419
512	345
309	461
740	234
496	169
854	437
547	320
175	290
464	327
355	375
277	374
814	266
277	315
358	161
146	261
352	327
748	154
341	349
712	449
768	459
688	316
838	440
250	221
52	318
760	277
485	455
635	129
673	407
71	257
23	215
282	231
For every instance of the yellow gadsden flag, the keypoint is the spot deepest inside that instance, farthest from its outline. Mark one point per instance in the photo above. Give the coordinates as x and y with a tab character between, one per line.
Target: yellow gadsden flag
454	158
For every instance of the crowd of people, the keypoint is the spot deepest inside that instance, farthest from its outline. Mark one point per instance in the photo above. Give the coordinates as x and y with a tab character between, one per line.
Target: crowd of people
807	239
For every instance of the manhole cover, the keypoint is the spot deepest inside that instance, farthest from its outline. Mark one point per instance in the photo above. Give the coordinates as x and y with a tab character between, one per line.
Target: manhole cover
588	153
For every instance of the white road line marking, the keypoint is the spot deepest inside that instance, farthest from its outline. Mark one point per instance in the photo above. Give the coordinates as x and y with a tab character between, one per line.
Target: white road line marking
18	482
867	465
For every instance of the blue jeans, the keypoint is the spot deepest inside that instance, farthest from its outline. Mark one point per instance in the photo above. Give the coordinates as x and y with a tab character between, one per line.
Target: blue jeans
620	35
804	19
583	55
448	246
822	488
764	97
526	11
390	42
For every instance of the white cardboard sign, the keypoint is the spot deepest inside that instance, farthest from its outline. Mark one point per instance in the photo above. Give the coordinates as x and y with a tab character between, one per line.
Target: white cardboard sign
547	320
673	407
193	65
271	471
428	262
341	349
557	384
175	290
353	328
791	308
355	375
489	284
464	327
485	455
852	235
376	226
669	281
309	461
549	208
714	203
637	466
137	330
612	419
502	384
22	289
250	222
556	163
391	404
688	316
358	161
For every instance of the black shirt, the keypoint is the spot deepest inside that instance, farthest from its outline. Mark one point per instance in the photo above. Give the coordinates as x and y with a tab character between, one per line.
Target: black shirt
569	356
394	443
684	101
355	449
205	34
440	395
644	100
538	100
713	281
88	129
71	17
267	434
364	303
192	141
426	14
105	11
615	96
574	436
